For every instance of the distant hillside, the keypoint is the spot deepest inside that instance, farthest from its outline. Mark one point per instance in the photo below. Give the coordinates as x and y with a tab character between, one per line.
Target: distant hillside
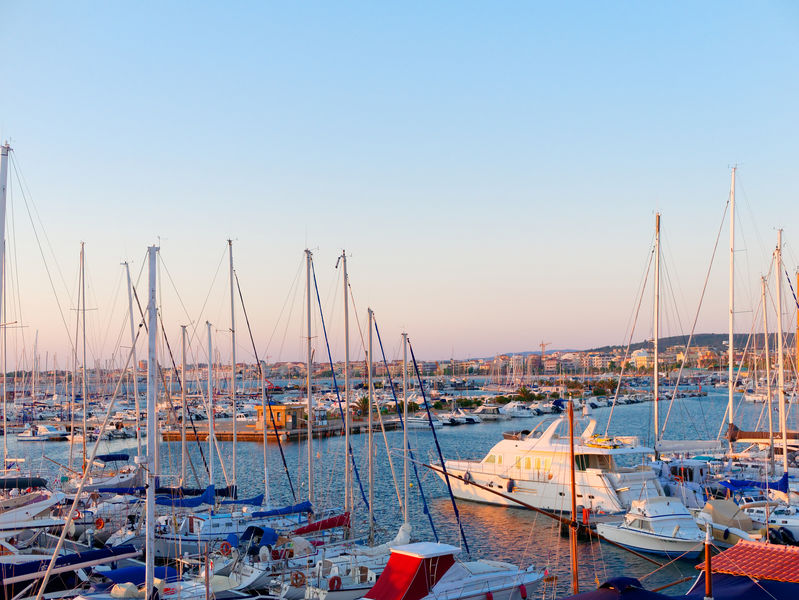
715	341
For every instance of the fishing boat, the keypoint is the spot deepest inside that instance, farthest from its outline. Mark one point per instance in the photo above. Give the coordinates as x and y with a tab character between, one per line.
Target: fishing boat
428	571
657	525
535	469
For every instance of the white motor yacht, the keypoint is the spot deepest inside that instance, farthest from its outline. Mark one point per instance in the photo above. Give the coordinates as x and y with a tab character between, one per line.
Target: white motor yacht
519	410
490	412
535	469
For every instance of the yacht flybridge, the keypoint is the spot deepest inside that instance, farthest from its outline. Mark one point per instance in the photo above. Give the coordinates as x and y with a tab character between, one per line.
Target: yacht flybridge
534	467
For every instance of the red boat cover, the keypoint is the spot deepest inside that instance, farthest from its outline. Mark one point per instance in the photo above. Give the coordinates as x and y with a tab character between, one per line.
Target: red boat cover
409	577
758	561
339	521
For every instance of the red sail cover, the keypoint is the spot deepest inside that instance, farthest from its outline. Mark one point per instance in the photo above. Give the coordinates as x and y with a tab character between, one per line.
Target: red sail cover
408	577
339	521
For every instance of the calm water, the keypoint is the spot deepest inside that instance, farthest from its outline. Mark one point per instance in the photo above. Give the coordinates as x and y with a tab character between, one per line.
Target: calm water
515	535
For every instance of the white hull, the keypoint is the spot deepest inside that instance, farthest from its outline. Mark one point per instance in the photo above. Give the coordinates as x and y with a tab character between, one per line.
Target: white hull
649	542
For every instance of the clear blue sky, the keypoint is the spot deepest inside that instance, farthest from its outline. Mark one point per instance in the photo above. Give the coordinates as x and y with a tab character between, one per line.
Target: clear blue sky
492	168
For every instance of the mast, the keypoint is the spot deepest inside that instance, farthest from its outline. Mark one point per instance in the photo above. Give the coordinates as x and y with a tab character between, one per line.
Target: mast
656	333
308	375
83	382
211	416
183	405
780	357
405	425
233	364
573	524
266	457
4	152
730	342
347	474
369	433
135	364
152	324
768	377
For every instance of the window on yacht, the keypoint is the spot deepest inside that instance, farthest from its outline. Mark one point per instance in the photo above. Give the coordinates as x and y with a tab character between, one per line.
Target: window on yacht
528	463
491	458
518	463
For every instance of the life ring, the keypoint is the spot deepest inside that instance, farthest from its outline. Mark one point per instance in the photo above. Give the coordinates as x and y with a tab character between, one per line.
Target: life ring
225	548
99	523
168	591
76	515
334	584
297	579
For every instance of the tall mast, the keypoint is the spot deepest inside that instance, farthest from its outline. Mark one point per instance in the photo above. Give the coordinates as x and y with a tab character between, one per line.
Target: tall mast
233	363
405	425
4	152
183	405
369	433
768	376
347	475
573	525
83	320
780	357
211	416
308	376
152	324
266	456
133	357
730	342
656	332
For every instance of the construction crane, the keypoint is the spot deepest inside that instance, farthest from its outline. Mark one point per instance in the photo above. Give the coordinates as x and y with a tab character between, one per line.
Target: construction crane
543	346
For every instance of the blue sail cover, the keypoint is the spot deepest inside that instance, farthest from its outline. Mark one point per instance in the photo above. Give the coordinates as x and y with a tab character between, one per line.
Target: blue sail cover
206	498
122	490
736	587
736	485
257	501
119	457
136	574
302	507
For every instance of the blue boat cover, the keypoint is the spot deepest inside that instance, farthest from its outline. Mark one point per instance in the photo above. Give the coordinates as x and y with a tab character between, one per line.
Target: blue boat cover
257	501
734	587
119	457
122	490
736	485
206	498
33	566
136	574
302	507
627	588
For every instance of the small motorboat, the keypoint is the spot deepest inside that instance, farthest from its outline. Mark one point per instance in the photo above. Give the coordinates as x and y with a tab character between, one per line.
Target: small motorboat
659	525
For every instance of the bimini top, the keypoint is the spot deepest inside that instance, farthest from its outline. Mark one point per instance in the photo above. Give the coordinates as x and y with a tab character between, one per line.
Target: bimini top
426	549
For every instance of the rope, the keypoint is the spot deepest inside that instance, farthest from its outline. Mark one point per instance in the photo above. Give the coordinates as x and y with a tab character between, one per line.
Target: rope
425	508
338	395
438	449
261	373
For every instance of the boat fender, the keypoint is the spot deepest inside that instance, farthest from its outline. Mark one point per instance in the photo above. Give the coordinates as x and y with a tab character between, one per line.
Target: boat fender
99	523
523	591
489	596
334	584
585	516
511	485
726	533
297	579
225	548
467	478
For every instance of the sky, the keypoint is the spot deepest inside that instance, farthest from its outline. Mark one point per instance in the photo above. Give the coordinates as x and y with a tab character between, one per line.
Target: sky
492	169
